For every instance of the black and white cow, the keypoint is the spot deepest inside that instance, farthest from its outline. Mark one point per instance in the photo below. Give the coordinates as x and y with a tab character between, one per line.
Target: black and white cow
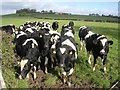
55	36
8	29
71	23
28	50
45	44
83	31
29	61
66	55
98	45
67	30
55	25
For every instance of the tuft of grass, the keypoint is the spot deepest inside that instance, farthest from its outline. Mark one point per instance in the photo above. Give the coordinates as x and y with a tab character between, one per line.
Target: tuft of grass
50	81
8	64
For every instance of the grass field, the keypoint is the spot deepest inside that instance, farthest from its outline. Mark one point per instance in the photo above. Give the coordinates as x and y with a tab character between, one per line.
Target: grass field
83	71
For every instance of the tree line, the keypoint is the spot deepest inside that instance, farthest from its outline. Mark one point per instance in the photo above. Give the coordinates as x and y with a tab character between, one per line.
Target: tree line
28	10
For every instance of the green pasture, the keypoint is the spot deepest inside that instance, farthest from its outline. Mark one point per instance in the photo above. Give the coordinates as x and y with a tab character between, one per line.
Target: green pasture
83	71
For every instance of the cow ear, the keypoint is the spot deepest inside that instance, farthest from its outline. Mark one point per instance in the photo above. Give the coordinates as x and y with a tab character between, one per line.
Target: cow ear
95	41
110	42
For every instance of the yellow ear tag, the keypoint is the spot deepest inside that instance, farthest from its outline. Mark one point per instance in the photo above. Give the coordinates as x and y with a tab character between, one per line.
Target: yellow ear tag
31	64
71	53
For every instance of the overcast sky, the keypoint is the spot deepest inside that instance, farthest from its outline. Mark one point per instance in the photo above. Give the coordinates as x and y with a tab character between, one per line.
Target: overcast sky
69	6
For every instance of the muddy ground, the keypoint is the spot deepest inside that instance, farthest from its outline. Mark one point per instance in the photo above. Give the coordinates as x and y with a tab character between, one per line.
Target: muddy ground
41	77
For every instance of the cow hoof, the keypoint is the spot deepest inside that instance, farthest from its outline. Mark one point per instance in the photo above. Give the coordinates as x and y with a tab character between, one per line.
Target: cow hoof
46	72
20	77
93	68
89	62
28	76
64	81
104	69
34	76
69	84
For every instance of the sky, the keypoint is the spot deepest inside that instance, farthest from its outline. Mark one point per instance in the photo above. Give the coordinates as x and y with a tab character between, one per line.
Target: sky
81	7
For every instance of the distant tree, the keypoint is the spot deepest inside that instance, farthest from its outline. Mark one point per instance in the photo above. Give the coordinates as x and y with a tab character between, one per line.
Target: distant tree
42	11
103	15
50	11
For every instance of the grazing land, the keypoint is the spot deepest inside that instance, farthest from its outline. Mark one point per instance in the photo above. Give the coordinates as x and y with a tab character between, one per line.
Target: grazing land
83	76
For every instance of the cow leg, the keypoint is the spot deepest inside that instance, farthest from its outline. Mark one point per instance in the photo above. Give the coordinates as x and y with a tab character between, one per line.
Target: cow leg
46	64
89	57
81	44
22	63
94	65
71	71
104	62
34	73
64	75
52	60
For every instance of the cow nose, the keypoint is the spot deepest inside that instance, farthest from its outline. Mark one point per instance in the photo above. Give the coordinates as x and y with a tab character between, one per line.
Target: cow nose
102	52
46	46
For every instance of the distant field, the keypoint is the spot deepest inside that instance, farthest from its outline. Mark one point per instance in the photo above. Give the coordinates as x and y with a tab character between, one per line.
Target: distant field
83	72
68	17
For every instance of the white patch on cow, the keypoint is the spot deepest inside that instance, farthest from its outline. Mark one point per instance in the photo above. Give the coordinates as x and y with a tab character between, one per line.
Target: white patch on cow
102	60
21	34
89	56
94	68
46	62
34	72
69	33
13	30
56	37
46	33
83	27
20	77
100	37
29	30
105	69
64	73
22	63
102	51
33	45
53	46
28	25
16	32
69	84
62	50
30	40
21	27
33	28
89	34
71	71
76	55
40	36
69	43
54	32
27	76
103	41
81	43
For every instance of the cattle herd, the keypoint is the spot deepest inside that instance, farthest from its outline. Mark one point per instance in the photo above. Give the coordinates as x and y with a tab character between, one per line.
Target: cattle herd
42	47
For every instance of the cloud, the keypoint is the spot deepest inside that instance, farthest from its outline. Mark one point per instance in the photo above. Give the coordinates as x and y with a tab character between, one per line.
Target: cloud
11	7
60	1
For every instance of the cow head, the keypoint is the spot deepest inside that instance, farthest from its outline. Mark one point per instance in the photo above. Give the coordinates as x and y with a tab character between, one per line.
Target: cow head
66	58
46	42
